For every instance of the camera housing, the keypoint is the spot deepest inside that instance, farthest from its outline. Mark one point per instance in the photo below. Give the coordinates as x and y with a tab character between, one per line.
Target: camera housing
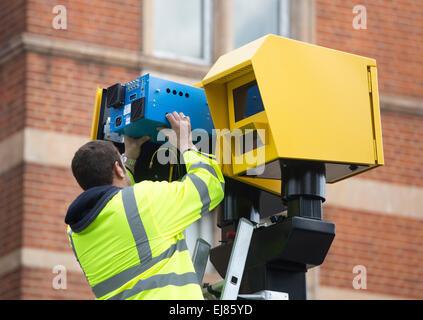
312	104
139	106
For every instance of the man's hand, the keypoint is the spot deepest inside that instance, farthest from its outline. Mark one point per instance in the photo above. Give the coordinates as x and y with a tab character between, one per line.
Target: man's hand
181	125
133	146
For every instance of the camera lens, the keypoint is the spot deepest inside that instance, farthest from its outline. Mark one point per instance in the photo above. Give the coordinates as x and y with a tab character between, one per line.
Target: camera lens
118	121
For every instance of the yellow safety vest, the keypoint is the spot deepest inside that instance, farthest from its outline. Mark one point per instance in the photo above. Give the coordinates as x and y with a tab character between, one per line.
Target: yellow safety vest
135	248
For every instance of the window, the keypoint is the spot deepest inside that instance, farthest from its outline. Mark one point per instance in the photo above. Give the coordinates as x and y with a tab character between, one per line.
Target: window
256	18
182	30
247	101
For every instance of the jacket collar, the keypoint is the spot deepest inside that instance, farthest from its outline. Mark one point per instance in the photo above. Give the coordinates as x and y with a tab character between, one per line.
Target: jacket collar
86	207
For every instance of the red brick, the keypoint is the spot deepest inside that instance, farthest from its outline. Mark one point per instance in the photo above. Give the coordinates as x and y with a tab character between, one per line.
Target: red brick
61	92
109	23
12	93
11	209
390	247
37	283
403	150
10	285
393	37
12	17
48	193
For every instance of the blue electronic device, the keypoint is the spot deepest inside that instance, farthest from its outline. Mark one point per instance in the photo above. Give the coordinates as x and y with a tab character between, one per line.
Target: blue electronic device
138	107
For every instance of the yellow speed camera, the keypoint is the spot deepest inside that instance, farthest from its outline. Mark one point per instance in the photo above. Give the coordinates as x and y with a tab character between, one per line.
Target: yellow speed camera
294	101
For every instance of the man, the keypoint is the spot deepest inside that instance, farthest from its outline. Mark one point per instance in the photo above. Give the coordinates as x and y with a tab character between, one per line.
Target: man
127	236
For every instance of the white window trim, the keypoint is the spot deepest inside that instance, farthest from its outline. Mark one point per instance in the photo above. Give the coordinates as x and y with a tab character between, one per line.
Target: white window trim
285	18
207	35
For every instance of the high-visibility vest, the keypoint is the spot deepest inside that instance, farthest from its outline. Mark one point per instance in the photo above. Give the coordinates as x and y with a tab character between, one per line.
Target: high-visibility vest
135	248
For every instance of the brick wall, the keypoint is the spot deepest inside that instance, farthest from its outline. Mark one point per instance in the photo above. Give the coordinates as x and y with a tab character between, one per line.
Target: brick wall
388	245
11	212
10	285
12	93
52	94
61	91
403	150
394	37
12	17
115	24
36	284
11	217
48	193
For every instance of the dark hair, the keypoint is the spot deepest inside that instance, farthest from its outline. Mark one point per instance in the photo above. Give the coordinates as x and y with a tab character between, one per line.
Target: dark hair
92	164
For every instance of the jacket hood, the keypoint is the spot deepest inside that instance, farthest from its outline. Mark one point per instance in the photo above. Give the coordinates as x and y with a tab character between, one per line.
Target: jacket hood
86	207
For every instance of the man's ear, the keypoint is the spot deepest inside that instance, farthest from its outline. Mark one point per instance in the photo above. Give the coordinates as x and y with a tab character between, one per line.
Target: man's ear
118	170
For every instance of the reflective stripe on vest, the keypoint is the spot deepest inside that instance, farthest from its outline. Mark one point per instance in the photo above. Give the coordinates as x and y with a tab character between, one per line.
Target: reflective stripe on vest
203	191
146	259
210	169
201	186
158	281
119	279
135	223
73	249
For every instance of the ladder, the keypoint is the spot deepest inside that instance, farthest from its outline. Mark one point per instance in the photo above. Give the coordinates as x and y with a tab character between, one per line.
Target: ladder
228	288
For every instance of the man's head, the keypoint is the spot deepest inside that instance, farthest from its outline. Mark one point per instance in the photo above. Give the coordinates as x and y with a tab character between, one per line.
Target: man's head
98	163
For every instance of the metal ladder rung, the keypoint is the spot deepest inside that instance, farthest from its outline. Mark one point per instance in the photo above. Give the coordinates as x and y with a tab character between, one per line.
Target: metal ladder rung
237	260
